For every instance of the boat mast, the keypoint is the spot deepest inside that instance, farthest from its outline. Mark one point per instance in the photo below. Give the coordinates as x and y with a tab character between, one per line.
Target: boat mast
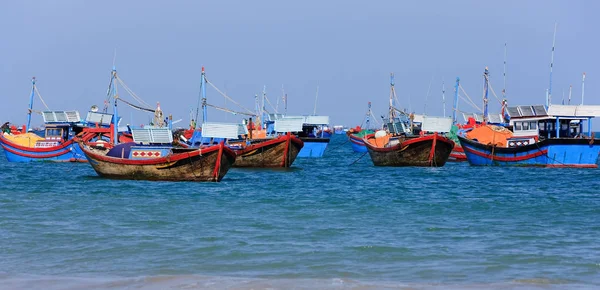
30	104
116	112
504	75
455	106
444	96
549	94
570	88
368	116
203	92
485	94
582	87
392	93
262	111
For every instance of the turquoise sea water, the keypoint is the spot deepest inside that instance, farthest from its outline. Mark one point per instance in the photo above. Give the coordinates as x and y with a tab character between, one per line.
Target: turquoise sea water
323	224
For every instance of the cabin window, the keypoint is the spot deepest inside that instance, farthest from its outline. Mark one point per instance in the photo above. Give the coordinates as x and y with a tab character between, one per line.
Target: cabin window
542	126
518	126
525	126
532	125
564	126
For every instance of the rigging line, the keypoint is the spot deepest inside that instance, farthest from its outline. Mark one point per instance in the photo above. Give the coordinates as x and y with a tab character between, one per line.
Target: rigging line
131	92
230	111
472	104
226	96
40	96
470	100
135	106
268	101
492	89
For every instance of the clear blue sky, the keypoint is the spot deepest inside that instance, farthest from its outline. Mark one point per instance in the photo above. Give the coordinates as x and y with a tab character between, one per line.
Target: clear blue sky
347	48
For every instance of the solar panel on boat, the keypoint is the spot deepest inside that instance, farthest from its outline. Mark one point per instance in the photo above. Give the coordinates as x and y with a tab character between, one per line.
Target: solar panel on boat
495	118
513	112
540	110
526	111
99	118
152	135
60	116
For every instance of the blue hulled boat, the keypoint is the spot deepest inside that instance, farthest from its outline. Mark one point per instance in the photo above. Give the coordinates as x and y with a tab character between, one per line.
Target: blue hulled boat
546	138
314	136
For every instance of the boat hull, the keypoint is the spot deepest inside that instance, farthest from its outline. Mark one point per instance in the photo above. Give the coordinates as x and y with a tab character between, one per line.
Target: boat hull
429	151
313	147
66	152
207	164
457	154
558	152
278	152
357	143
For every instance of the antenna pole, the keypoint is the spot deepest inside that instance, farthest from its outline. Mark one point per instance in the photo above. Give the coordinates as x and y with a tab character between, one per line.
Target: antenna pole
30	105
455	106
549	96
582	87
368	116
444	96
316	97
116	112
203	92
570	88
485	94
504	74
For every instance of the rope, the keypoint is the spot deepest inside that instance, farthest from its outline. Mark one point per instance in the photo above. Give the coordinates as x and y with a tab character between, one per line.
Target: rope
131	92
40	96
135	106
358	158
230	111
267	98
227	97
492	89
470	100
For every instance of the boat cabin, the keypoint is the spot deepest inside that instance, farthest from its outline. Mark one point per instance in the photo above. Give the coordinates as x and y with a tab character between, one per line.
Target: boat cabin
558	121
60	126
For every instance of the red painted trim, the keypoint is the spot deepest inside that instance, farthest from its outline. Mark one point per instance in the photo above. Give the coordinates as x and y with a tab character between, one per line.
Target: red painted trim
432	151
218	164
166	159
35	155
507	159
287	149
405	143
30	149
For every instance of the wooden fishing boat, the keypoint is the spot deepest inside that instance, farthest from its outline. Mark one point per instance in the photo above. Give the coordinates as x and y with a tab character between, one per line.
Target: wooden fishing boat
458	153
160	162
400	145
276	152
431	150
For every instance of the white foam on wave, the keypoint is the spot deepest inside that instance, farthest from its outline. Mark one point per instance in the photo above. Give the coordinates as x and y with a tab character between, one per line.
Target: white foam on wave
160	282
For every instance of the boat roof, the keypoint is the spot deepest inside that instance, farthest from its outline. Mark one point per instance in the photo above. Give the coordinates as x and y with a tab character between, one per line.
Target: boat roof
539	112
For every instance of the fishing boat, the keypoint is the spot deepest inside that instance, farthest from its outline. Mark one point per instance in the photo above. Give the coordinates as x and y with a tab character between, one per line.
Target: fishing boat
57	145
542	138
356	135
314	137
151	157
400	145
270	144
338	129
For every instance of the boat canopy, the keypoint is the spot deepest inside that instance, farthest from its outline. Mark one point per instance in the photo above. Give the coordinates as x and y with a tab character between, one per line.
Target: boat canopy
436	124
220	130
99	118
289	125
